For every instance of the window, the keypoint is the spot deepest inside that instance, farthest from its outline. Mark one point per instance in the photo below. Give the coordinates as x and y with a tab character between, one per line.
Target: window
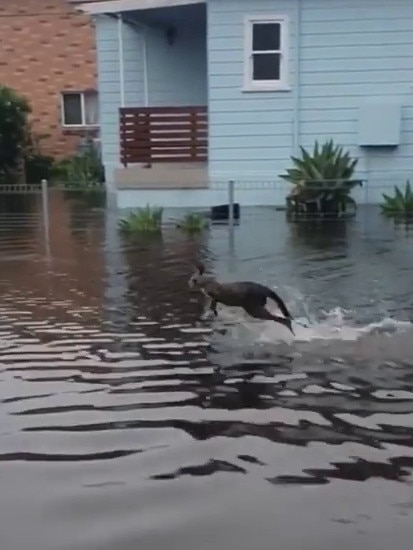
79	109
266	53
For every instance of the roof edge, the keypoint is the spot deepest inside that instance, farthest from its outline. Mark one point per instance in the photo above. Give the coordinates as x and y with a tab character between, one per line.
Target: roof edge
115	6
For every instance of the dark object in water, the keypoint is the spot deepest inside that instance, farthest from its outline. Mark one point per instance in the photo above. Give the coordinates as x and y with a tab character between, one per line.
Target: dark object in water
221	212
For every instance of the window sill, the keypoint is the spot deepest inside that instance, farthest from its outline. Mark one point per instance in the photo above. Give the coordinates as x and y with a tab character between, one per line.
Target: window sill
259	89
80	128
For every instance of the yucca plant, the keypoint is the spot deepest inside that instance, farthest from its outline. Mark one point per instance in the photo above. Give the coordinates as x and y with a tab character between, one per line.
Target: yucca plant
400	205
322	180
147	220
192	223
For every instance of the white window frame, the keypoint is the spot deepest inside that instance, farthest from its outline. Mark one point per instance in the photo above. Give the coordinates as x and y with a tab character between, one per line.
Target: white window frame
82	108
266	85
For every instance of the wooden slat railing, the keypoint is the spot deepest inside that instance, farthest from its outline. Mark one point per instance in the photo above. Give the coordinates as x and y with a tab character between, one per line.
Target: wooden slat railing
163	134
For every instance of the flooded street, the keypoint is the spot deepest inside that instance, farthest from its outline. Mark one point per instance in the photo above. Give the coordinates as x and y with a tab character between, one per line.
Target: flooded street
128	422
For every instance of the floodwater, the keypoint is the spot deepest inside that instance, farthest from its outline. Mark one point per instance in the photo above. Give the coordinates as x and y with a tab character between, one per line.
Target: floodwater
128	422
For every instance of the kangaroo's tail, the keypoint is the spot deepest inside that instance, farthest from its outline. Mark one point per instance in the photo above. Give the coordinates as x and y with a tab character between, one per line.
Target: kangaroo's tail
280	303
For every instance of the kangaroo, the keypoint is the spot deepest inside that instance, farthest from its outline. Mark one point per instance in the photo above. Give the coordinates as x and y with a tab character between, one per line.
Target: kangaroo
252	297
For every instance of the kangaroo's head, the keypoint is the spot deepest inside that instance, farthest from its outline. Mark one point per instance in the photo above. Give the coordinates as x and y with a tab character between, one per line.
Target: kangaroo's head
198	279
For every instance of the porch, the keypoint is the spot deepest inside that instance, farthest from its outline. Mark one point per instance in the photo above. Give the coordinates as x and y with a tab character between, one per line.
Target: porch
153	93
163	147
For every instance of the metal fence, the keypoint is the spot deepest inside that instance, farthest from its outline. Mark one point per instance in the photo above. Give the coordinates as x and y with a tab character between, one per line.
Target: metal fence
40	206
248	196
275	192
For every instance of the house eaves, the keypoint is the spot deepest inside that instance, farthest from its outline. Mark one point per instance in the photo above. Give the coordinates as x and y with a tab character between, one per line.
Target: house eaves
117	6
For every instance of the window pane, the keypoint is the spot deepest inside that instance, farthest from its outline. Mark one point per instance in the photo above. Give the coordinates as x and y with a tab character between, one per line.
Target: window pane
266	66
72	109
266	36
91	109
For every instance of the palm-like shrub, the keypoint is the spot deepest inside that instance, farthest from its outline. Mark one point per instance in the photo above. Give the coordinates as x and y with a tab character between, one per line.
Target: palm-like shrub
322	181
147	220
400	205
192	223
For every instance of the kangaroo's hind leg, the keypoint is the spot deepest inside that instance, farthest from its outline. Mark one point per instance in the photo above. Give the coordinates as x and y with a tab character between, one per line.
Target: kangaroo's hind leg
260	312
212	305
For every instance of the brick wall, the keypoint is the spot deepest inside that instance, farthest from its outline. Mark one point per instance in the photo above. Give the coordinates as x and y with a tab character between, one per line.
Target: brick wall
47	47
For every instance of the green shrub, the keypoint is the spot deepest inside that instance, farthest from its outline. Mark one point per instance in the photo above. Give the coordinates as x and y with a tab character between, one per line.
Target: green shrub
146	220
192	223
400	205
37	165
14	111
83	171
322	181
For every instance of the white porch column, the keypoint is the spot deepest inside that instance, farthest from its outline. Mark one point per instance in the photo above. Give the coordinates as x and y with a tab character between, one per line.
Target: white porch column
145	68
121	61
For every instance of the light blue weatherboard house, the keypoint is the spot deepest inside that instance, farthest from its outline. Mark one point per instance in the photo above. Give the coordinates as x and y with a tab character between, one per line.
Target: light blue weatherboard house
196	93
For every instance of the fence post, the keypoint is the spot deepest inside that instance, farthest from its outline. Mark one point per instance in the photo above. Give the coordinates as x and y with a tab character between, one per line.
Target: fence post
45	212
231	243
231	202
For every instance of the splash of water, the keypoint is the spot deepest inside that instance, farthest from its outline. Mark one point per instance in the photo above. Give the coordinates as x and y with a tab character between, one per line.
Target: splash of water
336	324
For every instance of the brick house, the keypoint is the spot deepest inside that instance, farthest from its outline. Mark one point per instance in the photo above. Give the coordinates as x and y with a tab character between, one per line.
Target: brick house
47	54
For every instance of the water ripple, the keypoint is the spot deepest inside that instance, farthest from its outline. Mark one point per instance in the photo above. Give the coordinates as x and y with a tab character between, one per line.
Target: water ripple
110	384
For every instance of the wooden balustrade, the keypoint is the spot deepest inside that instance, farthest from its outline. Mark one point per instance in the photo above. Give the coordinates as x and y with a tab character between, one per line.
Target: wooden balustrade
152	135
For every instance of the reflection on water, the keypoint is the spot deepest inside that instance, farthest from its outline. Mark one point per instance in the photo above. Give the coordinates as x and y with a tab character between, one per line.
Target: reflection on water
126	421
